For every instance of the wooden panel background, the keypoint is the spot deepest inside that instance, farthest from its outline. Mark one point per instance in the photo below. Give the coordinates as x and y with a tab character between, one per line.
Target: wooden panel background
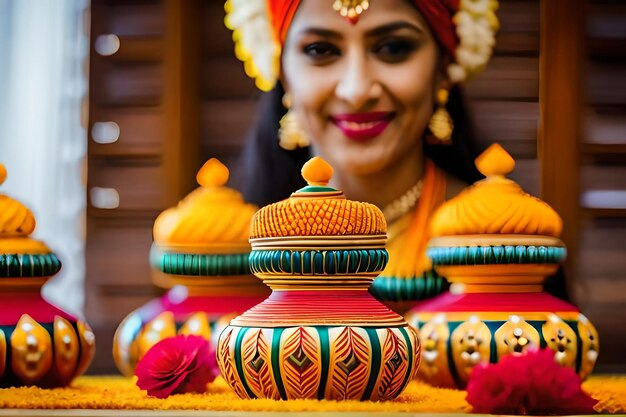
149	89
600	277
131	88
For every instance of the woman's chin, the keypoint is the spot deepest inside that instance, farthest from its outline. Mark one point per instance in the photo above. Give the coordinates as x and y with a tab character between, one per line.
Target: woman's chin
358	157
361	164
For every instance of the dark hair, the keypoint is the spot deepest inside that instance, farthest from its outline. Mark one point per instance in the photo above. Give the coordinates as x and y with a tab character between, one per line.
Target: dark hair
266	173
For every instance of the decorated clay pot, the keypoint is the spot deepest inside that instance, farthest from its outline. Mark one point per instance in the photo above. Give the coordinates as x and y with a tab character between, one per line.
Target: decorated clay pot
320	334
496	245
200	254
39	343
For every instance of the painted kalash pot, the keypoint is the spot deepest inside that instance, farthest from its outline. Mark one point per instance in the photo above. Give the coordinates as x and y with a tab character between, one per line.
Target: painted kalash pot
200	254
496	244
39	343
320	334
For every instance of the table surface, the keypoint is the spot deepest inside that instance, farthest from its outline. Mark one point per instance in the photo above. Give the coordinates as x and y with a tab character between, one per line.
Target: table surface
118	396
176	413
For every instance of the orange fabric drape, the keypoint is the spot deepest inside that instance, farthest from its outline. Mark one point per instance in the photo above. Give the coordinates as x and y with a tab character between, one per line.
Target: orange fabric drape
409	236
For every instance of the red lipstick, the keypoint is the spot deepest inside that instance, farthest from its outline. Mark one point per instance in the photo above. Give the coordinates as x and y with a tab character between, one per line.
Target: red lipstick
362	126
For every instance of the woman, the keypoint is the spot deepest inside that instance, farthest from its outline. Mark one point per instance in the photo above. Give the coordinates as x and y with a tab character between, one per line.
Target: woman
366	84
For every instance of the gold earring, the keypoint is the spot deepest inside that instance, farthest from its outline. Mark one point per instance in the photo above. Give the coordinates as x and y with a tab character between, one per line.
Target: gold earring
290	134
441	124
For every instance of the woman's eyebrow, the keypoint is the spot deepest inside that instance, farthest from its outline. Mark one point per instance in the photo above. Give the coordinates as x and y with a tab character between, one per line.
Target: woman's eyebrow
321	32
392	27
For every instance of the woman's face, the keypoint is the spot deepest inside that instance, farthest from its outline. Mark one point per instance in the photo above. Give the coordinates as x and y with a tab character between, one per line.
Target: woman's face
363	92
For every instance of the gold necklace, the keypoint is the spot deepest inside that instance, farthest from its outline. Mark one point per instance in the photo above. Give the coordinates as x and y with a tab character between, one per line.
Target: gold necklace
401	205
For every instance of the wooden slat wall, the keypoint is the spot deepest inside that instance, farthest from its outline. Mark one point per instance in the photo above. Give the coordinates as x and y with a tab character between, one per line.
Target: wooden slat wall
584	156
600	280
504	98
228	95
151	95
560	125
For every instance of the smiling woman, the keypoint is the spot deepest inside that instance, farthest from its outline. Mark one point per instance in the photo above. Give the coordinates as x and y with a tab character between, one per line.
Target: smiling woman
373	88
364	93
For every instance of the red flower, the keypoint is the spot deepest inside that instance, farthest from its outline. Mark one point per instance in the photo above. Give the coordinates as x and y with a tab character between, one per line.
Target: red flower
175	365
528	384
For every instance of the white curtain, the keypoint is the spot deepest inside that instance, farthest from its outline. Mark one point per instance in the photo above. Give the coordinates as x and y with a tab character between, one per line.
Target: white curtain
43	140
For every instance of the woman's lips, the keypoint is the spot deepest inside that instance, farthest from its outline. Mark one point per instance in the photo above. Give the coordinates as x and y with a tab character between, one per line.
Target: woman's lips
362	126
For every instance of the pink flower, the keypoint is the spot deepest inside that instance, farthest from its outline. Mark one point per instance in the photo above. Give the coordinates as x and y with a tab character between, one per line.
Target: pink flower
177	365
528	384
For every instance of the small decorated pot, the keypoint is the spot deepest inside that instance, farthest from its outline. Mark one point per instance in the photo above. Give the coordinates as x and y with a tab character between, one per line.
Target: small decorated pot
39	343
496	245
200	254
320	334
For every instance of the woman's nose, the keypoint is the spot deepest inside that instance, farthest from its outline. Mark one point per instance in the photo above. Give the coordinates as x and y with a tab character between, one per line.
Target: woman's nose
357	85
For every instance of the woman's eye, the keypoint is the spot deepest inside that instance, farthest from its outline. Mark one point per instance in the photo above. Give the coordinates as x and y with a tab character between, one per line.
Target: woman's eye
321	50
394	50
